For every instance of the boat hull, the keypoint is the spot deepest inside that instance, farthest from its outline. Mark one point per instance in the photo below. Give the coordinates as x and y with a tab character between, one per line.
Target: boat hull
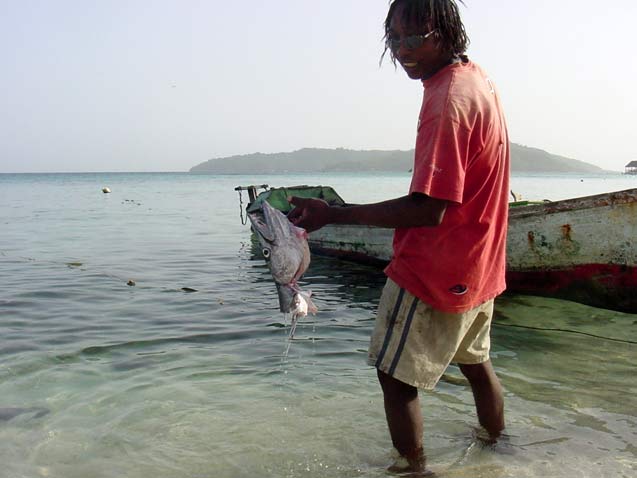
582	249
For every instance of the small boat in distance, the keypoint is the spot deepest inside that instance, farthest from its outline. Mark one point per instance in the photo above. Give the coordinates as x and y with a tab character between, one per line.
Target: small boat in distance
582	249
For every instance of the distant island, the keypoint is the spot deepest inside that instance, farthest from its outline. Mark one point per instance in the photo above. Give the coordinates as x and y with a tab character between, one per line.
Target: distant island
313	160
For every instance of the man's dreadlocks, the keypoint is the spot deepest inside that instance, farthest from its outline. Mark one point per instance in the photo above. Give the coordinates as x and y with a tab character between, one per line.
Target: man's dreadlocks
440	15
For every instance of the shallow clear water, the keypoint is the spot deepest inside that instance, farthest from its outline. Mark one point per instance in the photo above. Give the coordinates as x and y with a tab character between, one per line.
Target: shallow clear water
150	380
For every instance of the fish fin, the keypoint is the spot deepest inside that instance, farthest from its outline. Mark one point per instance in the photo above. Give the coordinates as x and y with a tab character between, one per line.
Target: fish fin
300	232
311	308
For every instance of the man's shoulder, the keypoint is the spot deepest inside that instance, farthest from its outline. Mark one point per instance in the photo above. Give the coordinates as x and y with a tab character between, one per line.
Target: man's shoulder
458	81
467	73
470	87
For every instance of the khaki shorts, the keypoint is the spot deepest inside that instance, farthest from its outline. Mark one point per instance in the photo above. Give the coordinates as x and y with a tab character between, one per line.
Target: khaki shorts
415	343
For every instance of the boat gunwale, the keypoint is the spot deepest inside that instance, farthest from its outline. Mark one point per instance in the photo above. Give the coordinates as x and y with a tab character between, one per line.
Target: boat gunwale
626	196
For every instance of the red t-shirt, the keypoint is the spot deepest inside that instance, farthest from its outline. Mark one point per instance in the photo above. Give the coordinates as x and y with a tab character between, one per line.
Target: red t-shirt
462	156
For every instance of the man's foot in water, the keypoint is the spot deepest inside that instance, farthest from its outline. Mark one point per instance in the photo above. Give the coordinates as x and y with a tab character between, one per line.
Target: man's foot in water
491	440
484	437
412	466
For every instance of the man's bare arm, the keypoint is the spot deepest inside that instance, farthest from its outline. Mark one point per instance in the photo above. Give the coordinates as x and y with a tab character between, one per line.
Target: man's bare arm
415	210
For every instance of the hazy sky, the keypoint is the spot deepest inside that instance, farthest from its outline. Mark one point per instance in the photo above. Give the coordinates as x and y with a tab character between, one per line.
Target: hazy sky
157	85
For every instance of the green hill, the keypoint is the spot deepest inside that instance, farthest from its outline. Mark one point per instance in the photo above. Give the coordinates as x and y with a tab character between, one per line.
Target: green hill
312	160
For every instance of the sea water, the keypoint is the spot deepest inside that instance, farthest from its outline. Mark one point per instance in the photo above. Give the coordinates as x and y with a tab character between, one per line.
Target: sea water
141	337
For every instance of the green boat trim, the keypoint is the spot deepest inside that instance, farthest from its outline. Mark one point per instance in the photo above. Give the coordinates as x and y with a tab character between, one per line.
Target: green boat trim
278	197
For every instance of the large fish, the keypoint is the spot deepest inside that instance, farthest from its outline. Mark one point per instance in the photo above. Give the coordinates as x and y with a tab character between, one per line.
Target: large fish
286	251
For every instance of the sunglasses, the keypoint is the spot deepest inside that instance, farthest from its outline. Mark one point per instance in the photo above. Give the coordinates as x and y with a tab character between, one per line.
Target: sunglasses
411	42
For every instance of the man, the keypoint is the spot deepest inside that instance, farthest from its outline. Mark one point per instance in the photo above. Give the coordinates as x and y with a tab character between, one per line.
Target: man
450	230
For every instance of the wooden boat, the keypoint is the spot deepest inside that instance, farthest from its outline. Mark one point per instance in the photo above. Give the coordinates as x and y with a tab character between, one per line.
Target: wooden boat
582	249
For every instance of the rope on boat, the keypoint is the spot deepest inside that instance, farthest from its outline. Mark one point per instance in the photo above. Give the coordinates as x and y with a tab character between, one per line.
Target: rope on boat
252	196
243	219
569	331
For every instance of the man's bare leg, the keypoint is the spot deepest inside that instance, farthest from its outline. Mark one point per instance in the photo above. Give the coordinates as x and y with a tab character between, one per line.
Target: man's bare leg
487	393
404	419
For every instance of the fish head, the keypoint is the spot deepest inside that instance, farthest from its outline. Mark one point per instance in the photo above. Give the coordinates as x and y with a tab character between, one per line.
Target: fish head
284	246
